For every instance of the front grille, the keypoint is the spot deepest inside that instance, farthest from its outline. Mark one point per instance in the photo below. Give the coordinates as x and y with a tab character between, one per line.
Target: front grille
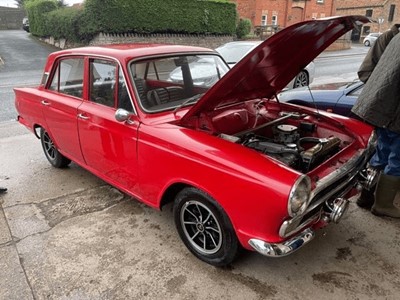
333	186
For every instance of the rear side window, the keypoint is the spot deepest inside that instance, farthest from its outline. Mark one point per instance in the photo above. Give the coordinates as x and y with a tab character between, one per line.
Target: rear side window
68	78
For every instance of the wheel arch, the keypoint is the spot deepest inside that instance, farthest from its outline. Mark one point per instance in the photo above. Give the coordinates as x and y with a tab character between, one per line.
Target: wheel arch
36	130
170	193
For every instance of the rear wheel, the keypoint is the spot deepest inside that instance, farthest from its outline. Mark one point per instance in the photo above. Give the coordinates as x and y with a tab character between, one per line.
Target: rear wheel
301	80
367	43
205	228
55	158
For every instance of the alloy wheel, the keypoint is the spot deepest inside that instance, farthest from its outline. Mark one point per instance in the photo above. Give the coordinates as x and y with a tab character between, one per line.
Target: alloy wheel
201	227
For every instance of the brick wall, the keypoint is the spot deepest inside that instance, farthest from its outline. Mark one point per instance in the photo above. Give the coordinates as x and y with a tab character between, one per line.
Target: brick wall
287	12
379	9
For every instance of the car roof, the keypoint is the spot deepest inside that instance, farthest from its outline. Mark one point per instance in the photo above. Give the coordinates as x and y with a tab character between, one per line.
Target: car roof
124	52
244	42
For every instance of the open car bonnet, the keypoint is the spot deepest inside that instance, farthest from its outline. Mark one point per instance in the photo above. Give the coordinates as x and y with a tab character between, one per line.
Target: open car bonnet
268	68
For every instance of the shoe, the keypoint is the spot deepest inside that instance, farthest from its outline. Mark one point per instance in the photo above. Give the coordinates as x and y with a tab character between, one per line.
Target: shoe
385	193
367	198
2	190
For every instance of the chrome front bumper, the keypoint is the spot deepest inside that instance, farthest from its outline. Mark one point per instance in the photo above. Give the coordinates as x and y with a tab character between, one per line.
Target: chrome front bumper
285	248
333	212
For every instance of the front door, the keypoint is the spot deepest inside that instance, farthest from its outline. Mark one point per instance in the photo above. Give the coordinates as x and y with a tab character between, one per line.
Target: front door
108	146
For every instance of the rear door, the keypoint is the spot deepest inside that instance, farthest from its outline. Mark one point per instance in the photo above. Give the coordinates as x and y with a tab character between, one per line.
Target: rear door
108	146
63	95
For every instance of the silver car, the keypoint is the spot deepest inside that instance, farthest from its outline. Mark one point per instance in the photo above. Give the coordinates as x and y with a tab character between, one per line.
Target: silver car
370	39
232	52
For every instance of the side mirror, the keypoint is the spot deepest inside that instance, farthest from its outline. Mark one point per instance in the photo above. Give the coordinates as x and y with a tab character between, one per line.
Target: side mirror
122	115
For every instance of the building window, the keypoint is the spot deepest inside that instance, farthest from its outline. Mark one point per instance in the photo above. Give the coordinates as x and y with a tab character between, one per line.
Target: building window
274	20
391	12
320	1
368	13
366	30
263	20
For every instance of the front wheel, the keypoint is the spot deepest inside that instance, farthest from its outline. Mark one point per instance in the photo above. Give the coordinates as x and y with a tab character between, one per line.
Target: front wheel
205	228
55	158
301	80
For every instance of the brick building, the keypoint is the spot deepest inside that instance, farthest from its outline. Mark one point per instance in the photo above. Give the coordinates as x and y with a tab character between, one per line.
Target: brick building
282	13
384	12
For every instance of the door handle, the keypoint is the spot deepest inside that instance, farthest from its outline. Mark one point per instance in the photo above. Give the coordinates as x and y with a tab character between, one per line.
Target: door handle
83	116
45	102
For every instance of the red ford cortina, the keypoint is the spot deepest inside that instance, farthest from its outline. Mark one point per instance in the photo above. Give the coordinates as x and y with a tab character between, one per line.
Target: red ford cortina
167	123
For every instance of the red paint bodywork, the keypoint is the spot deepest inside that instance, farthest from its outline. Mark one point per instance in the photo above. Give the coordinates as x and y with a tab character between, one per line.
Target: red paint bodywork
154	155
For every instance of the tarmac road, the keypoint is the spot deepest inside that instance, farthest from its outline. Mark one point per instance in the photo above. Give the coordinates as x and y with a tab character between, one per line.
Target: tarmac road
65	234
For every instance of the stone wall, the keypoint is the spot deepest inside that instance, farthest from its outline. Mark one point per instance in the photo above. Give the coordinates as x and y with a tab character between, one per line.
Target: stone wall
11	18
208	41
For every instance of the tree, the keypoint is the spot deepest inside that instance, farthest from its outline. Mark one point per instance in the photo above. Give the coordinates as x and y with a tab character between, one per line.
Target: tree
21	3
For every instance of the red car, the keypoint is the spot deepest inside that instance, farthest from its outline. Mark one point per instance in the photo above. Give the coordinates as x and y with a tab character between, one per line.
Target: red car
167	123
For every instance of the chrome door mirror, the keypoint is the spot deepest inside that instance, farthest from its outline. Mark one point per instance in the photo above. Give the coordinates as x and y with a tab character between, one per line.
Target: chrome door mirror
122	115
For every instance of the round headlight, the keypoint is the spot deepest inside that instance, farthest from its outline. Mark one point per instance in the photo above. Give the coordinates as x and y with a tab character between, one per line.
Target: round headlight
299	196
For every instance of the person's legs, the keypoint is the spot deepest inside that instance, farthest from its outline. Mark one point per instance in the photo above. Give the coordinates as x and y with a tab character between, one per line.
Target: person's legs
389	181
380	158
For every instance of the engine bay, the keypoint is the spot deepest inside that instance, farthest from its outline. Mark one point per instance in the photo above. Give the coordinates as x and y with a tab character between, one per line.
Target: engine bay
300	140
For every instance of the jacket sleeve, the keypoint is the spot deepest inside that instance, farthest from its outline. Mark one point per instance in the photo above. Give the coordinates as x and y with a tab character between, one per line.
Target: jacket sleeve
373	56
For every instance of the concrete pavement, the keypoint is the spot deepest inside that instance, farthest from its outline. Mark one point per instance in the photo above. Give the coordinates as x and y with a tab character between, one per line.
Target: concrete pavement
65	234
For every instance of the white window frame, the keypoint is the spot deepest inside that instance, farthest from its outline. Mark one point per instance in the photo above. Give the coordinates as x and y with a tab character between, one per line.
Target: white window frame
274	20
264	19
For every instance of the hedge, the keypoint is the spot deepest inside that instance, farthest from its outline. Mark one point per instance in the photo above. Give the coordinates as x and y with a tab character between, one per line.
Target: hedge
139	16
37	11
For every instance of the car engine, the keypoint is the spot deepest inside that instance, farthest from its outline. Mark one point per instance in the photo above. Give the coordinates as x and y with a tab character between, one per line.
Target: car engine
287	145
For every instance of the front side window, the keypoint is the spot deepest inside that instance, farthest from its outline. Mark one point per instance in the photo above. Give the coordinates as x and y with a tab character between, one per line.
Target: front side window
68	77
166	83
102	81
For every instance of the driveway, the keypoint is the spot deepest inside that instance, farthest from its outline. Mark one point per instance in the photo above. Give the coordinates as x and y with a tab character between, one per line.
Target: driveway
64	234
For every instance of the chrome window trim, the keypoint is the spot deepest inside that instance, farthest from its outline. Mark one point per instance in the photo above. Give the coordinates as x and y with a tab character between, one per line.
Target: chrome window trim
89	56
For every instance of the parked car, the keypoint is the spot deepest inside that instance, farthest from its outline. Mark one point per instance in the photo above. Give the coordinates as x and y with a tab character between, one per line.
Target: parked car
25	24
370	39
336	98
233	52
241	169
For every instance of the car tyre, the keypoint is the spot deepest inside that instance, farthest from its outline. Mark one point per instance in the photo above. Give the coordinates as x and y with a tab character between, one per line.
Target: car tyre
367	43
55	158
205	228
301	80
